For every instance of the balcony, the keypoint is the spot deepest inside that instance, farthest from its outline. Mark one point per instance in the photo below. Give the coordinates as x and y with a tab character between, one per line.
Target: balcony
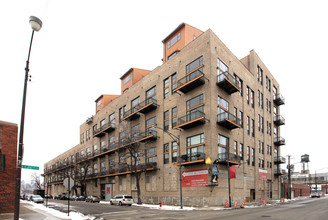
279	141
233	159
144	107
190	82
278	99
148	135
148	105
278	120
279	159
106	128
279	171
191	120
131	114
190	159
228	83
228	120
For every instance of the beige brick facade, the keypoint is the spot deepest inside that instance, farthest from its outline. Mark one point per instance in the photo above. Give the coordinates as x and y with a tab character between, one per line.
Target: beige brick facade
160	183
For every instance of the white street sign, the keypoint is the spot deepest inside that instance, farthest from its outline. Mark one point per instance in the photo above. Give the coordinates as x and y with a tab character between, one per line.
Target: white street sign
71	183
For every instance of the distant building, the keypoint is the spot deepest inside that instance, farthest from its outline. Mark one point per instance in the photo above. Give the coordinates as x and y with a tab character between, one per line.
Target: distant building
223	108
316	181
8	161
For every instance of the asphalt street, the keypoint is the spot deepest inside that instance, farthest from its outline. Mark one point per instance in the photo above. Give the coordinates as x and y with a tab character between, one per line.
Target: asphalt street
310	208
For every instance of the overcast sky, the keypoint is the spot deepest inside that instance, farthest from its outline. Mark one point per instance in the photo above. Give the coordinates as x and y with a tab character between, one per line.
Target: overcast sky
84	47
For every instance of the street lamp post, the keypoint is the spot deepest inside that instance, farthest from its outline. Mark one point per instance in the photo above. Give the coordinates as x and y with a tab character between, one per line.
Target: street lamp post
176	139
36	25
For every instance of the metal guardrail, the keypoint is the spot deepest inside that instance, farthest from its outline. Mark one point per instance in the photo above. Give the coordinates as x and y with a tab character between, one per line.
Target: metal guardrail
228	116
105	126
192	157
224	157
226	76
190	117
139	106
189	77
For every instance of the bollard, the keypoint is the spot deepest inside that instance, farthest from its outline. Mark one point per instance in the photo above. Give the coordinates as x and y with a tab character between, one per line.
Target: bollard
243	204
264	203
236	204
226	203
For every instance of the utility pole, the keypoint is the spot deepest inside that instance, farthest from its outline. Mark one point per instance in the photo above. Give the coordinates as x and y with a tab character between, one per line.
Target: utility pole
289	179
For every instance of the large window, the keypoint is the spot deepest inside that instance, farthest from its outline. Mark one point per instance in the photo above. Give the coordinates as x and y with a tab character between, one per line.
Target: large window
135	131
112	119
222	68
195	147
173	41
241	151
174	80
166	153
151	155
151	93
166	89
166	120
196	64
195	107
121	112
126	79
174	151
174	116
223	145
134	104
150	125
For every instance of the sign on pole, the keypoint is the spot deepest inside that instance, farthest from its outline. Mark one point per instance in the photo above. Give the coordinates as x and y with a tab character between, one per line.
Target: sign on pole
30	167
69	184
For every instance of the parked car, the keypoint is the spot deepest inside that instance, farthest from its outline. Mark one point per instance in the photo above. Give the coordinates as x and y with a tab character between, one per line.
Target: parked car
57	196
73	198
22	196
28	197
315	195
48	196
121	200
80	198
92	199
37	199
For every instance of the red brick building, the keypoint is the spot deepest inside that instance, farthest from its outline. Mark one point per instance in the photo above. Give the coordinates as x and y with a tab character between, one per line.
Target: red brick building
297	190
8	158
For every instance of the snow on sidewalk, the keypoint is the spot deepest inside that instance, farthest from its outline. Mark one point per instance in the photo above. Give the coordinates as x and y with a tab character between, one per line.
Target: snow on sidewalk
51	213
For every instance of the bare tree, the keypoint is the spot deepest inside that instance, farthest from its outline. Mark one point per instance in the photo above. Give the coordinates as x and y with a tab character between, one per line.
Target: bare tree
80	175
35	180
134	151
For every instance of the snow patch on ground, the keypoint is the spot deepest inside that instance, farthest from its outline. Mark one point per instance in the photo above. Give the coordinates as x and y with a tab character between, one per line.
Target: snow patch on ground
42	209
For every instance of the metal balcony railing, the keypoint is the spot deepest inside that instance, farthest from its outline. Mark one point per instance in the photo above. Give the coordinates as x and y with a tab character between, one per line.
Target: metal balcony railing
143	107
233	159
279	141
279	159
192	157
278	99
279	171
190	81
279	120
105	128
191	120
228	83
228	120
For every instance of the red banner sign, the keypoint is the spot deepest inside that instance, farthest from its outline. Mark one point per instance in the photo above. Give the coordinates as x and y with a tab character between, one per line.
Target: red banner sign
263	174
195	178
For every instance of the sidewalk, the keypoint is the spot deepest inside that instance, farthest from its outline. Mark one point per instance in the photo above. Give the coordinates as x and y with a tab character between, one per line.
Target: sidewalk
29	212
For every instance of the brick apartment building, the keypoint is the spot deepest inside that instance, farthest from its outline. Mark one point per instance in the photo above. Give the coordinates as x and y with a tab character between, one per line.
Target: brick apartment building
203	99
8	160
